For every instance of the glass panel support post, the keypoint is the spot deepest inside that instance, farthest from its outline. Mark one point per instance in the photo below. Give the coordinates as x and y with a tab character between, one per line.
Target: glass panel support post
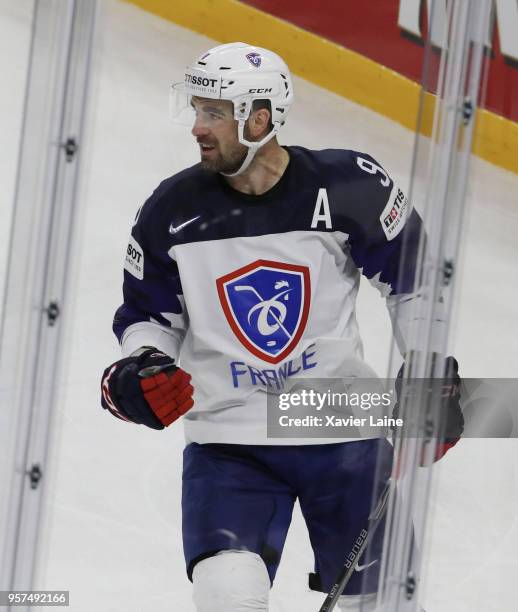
445	170
36	296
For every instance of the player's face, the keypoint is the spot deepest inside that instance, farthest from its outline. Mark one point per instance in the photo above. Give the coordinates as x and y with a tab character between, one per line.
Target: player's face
215	130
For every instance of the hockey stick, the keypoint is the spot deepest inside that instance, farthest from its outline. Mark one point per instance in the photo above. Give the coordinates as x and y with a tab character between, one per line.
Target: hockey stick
357	551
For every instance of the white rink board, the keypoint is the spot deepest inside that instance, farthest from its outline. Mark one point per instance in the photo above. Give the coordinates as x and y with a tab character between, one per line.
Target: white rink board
112	525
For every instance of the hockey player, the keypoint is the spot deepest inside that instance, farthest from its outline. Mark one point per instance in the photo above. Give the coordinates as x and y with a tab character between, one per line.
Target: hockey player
242	272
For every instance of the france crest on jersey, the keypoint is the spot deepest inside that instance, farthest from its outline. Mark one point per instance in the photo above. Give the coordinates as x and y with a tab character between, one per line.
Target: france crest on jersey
266	304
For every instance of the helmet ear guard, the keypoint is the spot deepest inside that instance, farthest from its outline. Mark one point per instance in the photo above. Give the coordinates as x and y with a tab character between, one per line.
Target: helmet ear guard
242	108
241	74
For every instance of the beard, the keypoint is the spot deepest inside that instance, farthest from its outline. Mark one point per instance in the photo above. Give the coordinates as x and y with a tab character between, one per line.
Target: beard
226	162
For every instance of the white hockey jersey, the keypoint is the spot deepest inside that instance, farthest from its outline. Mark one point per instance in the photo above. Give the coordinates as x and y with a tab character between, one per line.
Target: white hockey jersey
248	292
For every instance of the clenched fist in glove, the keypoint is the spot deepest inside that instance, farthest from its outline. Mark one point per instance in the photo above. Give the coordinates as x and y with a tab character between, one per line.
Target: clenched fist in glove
146	388
450	417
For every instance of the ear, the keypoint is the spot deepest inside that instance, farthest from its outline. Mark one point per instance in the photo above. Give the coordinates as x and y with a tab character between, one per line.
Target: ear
259	122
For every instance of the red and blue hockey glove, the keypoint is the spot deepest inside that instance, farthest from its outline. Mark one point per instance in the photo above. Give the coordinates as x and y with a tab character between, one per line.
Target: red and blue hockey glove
146	388
451	420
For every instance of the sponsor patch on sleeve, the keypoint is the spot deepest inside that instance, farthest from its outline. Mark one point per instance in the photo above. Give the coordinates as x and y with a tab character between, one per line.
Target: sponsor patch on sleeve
394	214
134	260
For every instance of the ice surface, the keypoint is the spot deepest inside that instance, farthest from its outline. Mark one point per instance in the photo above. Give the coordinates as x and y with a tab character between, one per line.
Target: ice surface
111	533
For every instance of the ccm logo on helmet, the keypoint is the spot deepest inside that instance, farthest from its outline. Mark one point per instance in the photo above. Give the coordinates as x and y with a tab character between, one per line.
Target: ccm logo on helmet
198	80
263	90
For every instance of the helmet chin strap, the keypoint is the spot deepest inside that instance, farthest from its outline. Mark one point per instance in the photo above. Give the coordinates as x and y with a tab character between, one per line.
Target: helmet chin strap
253	147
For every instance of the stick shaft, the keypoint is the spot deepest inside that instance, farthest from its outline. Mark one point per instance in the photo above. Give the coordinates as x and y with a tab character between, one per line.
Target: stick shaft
352	559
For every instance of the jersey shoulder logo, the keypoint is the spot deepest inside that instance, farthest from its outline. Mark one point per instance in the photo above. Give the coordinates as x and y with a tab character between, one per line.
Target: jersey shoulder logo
266	304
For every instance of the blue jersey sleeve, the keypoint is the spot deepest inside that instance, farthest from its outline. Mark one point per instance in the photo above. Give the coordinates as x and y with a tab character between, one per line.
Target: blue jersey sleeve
384	241
152	289
385	231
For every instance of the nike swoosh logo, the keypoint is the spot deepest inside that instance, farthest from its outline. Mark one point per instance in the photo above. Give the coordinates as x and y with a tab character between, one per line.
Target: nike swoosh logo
360	568
175	230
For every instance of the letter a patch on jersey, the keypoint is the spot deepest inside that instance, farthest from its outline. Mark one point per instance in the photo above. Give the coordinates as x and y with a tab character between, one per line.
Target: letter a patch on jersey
322	214
266	303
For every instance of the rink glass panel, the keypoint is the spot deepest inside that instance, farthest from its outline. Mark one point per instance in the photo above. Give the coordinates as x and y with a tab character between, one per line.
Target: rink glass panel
111	533
471	540
15	40
15	34
38	270
473	492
